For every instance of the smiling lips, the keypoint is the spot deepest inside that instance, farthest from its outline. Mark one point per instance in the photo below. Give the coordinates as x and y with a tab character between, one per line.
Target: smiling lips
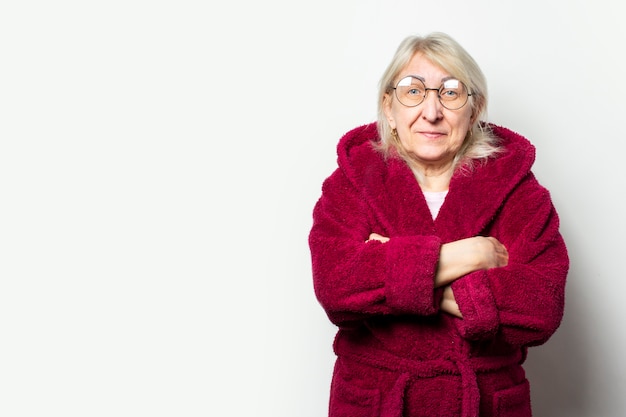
432	135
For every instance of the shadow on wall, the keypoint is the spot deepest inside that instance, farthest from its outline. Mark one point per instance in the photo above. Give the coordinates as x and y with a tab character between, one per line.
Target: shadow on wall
558	371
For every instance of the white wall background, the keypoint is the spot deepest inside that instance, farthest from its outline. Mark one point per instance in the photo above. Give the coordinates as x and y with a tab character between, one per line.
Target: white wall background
159	162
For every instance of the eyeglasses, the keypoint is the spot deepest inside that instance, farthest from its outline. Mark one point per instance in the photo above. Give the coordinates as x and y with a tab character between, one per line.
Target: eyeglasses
411	92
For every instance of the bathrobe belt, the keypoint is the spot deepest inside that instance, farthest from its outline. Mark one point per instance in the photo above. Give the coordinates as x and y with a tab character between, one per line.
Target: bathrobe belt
410	370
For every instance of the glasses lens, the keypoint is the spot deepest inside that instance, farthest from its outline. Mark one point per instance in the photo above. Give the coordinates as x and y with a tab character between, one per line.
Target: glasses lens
410	91
453	94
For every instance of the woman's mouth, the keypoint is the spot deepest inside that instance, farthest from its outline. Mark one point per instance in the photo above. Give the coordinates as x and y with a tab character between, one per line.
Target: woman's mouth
432	135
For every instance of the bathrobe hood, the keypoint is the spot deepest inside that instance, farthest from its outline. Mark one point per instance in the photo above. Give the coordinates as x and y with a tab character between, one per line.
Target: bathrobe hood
478	195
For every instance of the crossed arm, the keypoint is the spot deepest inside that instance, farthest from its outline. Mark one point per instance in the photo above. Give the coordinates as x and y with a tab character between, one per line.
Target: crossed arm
459	258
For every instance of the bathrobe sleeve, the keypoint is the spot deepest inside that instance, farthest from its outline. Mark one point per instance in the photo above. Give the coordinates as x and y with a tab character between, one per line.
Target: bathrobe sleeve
354	279
523	302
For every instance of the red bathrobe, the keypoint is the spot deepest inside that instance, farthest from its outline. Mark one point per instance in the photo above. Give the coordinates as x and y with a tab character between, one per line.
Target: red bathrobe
398	354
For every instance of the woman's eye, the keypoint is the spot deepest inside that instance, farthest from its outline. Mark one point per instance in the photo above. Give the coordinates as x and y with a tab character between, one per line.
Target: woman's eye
449	93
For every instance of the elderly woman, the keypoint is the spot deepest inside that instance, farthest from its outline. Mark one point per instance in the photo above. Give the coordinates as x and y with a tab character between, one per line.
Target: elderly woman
435	250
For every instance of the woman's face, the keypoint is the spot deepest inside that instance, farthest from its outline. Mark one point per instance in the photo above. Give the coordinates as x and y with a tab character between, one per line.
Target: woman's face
431	134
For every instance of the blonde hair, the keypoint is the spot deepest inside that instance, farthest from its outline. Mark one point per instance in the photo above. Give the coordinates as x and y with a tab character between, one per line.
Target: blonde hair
445	52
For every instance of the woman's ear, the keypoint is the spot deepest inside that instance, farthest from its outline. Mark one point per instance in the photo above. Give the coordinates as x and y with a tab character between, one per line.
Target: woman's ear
387	110
473	118
477	107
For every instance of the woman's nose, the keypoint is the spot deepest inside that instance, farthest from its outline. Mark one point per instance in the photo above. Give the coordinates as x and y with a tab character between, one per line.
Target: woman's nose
432	108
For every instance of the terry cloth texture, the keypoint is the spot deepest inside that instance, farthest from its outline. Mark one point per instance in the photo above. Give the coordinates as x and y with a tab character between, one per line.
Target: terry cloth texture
398	354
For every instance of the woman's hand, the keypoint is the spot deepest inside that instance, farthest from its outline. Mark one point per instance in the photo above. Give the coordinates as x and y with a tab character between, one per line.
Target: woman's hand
468	255
448	303
376	236
494	252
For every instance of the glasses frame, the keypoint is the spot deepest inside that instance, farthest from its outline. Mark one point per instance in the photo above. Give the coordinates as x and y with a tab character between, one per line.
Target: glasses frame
426	90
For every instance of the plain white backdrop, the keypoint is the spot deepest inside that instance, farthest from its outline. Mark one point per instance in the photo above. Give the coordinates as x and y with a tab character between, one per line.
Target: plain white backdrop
159	162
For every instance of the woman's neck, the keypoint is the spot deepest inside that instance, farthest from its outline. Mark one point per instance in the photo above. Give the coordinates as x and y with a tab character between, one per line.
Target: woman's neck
434	180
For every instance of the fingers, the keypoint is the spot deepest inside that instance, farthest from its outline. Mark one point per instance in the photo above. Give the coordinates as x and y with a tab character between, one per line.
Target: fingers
376	236
499	255
449	304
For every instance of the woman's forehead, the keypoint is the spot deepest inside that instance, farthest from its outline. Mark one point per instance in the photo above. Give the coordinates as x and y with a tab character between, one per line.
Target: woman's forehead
424	69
